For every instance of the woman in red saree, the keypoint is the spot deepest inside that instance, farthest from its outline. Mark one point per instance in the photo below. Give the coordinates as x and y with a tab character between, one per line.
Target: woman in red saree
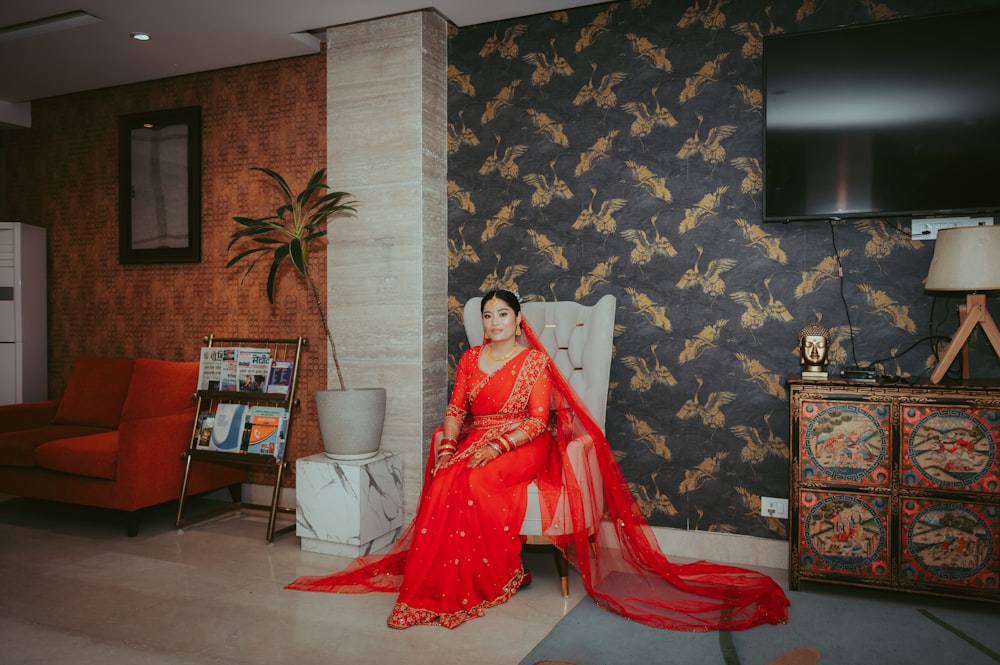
509	421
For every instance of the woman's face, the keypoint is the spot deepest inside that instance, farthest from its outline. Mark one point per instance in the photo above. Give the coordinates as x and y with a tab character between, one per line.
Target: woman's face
499	320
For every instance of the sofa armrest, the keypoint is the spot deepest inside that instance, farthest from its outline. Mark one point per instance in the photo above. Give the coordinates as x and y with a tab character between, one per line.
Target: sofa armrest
16	417
150	463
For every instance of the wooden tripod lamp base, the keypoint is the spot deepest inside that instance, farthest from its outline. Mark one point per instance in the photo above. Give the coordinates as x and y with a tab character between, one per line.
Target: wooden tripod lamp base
972	314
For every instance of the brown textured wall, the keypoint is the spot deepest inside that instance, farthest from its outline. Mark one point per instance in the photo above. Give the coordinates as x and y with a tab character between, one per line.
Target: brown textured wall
63	175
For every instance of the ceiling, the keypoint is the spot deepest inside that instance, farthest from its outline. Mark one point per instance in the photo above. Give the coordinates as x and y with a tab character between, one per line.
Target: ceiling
187	36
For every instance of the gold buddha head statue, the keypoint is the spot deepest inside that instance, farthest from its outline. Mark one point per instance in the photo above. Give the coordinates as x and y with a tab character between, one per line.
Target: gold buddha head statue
814	343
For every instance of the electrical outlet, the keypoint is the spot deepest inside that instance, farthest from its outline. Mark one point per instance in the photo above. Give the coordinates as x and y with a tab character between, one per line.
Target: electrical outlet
927	229
771	507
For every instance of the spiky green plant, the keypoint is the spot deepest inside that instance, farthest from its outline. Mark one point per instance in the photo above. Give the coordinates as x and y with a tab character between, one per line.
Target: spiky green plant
301	218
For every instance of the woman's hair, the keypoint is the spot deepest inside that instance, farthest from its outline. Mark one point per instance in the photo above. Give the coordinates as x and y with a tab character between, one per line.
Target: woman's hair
504	295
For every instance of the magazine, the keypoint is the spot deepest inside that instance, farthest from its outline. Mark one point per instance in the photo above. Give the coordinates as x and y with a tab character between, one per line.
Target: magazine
227	431
267	425
206	421
228	376
210	367
280	377
252	369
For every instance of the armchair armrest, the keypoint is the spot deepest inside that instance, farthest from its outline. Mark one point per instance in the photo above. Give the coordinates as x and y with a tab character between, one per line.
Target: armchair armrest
16	417
586	474
149	457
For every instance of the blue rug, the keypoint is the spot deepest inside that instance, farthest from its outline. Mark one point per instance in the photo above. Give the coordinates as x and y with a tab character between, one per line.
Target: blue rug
846	626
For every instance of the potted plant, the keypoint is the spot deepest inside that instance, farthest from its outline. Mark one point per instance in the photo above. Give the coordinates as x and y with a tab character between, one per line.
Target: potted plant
350	420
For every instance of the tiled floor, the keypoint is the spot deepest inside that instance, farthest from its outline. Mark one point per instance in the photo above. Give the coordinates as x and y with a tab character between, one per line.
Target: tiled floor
76	590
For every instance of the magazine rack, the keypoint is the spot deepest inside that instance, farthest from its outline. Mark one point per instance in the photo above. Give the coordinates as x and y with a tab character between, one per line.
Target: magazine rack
208	401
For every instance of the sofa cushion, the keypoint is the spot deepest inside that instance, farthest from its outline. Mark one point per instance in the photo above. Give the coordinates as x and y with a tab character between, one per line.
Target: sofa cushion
95	392
18	448
160	388
93	455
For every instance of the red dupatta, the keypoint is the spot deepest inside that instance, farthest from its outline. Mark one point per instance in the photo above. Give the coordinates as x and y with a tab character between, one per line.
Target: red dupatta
618	557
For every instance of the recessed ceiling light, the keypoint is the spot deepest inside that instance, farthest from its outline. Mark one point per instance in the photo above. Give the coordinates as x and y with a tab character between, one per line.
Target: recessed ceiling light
140	36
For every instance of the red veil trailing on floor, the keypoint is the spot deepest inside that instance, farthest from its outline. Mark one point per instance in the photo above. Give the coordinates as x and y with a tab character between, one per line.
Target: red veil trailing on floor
473	561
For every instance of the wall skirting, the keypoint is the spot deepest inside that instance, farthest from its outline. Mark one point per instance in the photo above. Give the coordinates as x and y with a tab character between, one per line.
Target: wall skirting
727	548
677	544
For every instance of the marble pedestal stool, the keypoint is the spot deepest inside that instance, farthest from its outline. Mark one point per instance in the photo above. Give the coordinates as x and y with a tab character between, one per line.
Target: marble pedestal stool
348	508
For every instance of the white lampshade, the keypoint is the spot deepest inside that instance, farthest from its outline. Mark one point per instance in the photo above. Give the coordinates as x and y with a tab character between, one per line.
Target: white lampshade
966	259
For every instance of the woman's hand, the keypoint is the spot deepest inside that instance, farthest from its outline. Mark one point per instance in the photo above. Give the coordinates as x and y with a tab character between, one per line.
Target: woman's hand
446	447
484	455
440	462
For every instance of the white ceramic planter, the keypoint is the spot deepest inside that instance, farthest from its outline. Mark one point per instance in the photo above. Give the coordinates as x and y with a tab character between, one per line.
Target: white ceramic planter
350	422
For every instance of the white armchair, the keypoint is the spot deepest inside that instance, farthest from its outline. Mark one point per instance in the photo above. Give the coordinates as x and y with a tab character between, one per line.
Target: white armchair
579	338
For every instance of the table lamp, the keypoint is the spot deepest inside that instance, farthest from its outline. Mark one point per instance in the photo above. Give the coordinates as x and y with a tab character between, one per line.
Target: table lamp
966	259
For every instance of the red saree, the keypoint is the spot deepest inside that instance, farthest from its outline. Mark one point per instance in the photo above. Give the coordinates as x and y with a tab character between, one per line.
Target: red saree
461	554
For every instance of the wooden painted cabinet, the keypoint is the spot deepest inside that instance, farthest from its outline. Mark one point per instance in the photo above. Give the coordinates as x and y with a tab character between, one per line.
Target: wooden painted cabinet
896	485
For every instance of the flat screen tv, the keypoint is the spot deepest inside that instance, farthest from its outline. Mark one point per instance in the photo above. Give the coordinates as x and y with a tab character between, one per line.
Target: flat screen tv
897	118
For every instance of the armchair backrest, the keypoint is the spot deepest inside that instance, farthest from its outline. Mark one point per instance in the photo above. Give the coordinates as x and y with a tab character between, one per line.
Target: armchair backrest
579	338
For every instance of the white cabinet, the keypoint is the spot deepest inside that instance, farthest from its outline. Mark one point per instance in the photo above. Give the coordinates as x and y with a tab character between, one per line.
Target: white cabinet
24	375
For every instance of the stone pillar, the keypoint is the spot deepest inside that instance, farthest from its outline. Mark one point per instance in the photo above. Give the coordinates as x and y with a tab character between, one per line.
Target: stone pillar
387	268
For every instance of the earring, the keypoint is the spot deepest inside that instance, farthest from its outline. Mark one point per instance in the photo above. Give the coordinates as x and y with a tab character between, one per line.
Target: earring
518	332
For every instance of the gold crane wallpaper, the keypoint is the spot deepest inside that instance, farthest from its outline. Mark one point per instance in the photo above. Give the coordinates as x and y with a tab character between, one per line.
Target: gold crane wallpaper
617	148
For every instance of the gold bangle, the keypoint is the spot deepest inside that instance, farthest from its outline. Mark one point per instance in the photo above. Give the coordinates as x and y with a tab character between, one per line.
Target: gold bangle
495	447
510	445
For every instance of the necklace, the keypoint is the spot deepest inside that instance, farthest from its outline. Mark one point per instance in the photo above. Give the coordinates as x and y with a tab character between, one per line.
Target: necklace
492	357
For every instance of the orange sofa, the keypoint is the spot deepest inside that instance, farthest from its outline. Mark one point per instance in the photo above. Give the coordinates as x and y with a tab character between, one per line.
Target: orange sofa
114	440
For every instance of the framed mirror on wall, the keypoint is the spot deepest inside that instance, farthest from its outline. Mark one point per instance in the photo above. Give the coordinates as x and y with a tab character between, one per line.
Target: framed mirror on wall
159	186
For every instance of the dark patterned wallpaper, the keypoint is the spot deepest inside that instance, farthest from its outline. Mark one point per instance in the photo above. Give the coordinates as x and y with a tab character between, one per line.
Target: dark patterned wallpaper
617	149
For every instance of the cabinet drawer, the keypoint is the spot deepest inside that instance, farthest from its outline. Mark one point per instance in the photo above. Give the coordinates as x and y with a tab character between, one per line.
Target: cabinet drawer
845	442
844	535
949	448
950	544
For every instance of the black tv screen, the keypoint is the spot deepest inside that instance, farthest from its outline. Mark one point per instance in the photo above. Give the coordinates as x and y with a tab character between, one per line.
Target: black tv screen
888	119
